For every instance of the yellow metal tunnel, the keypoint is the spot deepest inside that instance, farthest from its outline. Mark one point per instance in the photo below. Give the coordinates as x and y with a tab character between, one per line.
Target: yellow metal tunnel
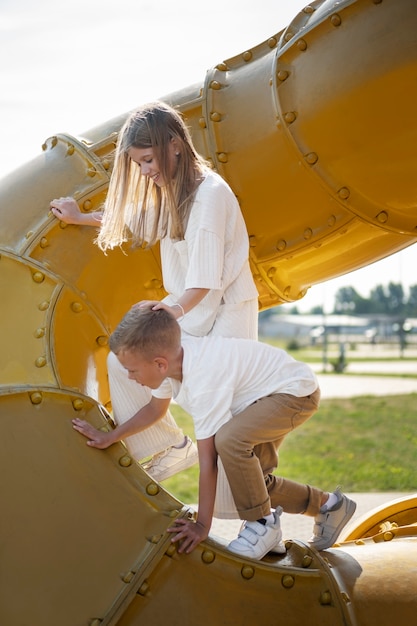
315	130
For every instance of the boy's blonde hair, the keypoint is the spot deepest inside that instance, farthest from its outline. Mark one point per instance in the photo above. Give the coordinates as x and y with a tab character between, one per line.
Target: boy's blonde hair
136	209
152	333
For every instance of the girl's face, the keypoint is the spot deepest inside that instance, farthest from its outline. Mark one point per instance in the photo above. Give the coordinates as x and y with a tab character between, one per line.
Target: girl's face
149	164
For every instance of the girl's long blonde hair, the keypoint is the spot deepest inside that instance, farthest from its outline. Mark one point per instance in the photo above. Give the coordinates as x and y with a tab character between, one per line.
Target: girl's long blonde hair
136	209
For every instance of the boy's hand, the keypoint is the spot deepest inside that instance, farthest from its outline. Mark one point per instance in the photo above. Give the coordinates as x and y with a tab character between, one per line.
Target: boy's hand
96	438
189	533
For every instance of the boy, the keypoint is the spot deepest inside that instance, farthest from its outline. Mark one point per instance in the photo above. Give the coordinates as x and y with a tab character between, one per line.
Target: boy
244	397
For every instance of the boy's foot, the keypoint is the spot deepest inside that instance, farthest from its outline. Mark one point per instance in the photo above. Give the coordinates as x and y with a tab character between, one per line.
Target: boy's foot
329	523
255	540
171	461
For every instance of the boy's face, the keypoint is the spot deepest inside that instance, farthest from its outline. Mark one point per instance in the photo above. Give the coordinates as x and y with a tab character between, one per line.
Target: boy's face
149	373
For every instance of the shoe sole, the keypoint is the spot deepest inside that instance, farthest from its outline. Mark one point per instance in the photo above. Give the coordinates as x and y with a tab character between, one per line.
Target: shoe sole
349	512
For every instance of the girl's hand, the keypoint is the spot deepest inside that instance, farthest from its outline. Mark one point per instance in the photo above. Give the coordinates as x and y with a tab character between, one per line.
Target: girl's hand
96	438
188	533
155	305
66	210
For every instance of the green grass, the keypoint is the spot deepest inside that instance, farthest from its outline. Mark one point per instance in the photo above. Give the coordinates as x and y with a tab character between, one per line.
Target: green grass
363	444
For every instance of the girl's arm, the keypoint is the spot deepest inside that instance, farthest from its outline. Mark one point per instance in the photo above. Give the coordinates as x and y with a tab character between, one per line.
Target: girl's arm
190	533
68	211
147	415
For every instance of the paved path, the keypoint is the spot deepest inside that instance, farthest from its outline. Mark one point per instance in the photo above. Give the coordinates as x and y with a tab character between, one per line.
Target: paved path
301	526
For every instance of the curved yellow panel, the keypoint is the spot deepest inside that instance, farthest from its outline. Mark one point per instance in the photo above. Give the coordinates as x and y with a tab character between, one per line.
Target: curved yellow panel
315	130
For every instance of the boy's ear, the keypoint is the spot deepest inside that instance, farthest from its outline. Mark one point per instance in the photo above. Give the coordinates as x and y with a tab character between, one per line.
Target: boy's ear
161	363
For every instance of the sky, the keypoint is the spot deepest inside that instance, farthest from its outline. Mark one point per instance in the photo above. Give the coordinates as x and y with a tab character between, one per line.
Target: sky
68	67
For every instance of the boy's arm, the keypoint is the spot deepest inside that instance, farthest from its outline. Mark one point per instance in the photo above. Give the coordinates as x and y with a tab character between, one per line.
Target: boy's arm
190	533
146	416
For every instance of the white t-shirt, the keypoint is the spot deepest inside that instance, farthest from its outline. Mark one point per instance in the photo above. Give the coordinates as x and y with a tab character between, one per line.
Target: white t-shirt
223	376
213	255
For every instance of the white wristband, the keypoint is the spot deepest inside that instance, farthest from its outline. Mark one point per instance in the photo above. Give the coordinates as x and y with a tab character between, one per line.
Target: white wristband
182	310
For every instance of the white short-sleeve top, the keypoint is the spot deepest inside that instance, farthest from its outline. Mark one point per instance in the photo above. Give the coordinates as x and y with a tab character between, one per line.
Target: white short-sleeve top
223	376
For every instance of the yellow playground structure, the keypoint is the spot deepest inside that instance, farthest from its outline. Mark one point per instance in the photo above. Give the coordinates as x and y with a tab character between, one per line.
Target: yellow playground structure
315	129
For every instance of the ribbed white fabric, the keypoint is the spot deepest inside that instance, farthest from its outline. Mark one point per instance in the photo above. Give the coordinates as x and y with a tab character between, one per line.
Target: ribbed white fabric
127	397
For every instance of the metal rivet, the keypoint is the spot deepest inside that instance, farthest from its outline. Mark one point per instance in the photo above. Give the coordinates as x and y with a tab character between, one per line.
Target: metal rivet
152	489
388	536
222	157
272	42
128	577
307	560
214	84
271	272
311	158
302	45
143	589
202	122
38	277
290	117
102	340
215	116
325	598
282	75
308	233
125	461
91	172
382	217
106	164
155	539
287	581
287	291
336	20
87	204
331	221
171	550
308	9
247	572
70	149
247	56
43	242
40	361
222	67
281	245
288	36
76	307
343	193
43	306
39	332
78	404
36	397
208	556
63	225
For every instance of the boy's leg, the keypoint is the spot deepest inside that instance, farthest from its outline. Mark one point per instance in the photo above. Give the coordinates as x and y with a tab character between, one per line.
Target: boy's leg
260	429
160	439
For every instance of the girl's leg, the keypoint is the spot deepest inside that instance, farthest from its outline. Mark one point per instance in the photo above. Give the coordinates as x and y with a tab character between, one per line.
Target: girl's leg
127	397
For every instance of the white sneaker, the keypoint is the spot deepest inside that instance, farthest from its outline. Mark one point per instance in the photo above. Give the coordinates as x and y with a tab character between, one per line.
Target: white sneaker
171	461
255	540
329	523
